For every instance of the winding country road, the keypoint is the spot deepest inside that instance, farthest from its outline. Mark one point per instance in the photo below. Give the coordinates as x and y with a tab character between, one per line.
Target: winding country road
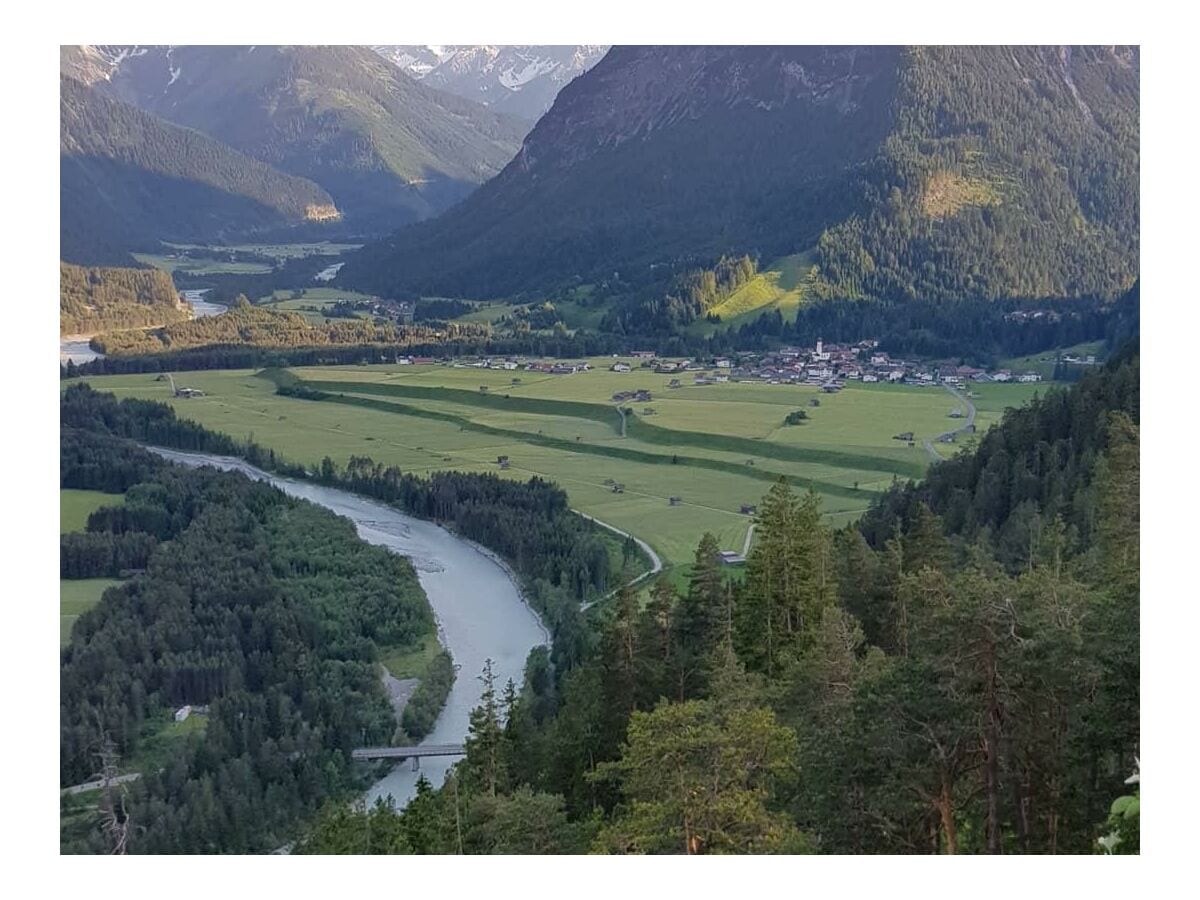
655	560
968	425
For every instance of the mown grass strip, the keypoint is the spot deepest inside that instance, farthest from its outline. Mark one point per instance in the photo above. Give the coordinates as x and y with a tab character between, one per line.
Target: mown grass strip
636	428
613	452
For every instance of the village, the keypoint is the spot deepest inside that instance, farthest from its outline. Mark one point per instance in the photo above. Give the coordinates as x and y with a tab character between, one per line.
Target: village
827	366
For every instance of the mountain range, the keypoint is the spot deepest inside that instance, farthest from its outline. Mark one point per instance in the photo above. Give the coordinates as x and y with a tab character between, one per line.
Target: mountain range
129	179
519	79
386	148
934	172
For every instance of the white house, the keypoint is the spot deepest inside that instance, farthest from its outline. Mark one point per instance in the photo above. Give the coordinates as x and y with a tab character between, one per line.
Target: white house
1029	377
868	378
182	713
1002	375
620	367
723	364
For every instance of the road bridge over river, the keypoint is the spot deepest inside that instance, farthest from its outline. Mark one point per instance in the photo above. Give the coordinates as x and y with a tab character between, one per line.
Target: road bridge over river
413	753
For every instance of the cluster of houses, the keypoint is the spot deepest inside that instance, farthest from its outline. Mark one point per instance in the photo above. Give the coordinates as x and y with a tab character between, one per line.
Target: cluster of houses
513	364
827	366
398	311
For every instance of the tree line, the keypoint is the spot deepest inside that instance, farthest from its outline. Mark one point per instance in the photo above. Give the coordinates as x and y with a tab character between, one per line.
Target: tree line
244	324
979	333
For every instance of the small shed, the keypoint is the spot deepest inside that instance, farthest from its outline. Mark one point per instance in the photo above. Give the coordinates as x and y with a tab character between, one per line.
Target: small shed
675	501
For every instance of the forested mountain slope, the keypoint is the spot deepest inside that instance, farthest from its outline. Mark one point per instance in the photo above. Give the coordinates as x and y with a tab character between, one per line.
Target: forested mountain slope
92	300
916	171
128	178
387	148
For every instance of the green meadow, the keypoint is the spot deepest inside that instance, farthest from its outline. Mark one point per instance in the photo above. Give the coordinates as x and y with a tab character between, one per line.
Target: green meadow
74	507
782	285
77	596
279	251
203	266
713	448
1043	363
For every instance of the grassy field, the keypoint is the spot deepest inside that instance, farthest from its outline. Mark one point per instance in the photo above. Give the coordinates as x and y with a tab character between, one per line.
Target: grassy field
74	507
280	251
161	740
192	266
311	301
77	596
781	285
411	661
489	312
1043	363
714	447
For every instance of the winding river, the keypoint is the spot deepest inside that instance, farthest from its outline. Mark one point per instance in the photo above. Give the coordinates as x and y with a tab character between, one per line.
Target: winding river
479	609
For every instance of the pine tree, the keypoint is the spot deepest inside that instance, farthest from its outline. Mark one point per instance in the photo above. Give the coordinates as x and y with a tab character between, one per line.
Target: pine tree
699	620
485	741
790	580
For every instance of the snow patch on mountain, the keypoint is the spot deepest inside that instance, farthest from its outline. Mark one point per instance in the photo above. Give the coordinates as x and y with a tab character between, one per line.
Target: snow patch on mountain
514	79
522	80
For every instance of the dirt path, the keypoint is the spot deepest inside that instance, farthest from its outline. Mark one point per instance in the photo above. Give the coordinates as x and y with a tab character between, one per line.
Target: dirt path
749	538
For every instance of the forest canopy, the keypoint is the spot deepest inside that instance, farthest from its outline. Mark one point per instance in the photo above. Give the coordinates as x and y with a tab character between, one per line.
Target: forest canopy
93	300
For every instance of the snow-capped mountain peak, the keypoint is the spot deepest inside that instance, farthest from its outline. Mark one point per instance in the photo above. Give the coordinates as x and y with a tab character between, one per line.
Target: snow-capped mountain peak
519	79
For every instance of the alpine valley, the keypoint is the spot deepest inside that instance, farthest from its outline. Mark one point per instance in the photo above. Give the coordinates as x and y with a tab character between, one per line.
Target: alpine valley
644	449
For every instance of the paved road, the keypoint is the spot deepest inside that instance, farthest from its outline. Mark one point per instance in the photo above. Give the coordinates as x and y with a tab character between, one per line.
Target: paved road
966	426
98	784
